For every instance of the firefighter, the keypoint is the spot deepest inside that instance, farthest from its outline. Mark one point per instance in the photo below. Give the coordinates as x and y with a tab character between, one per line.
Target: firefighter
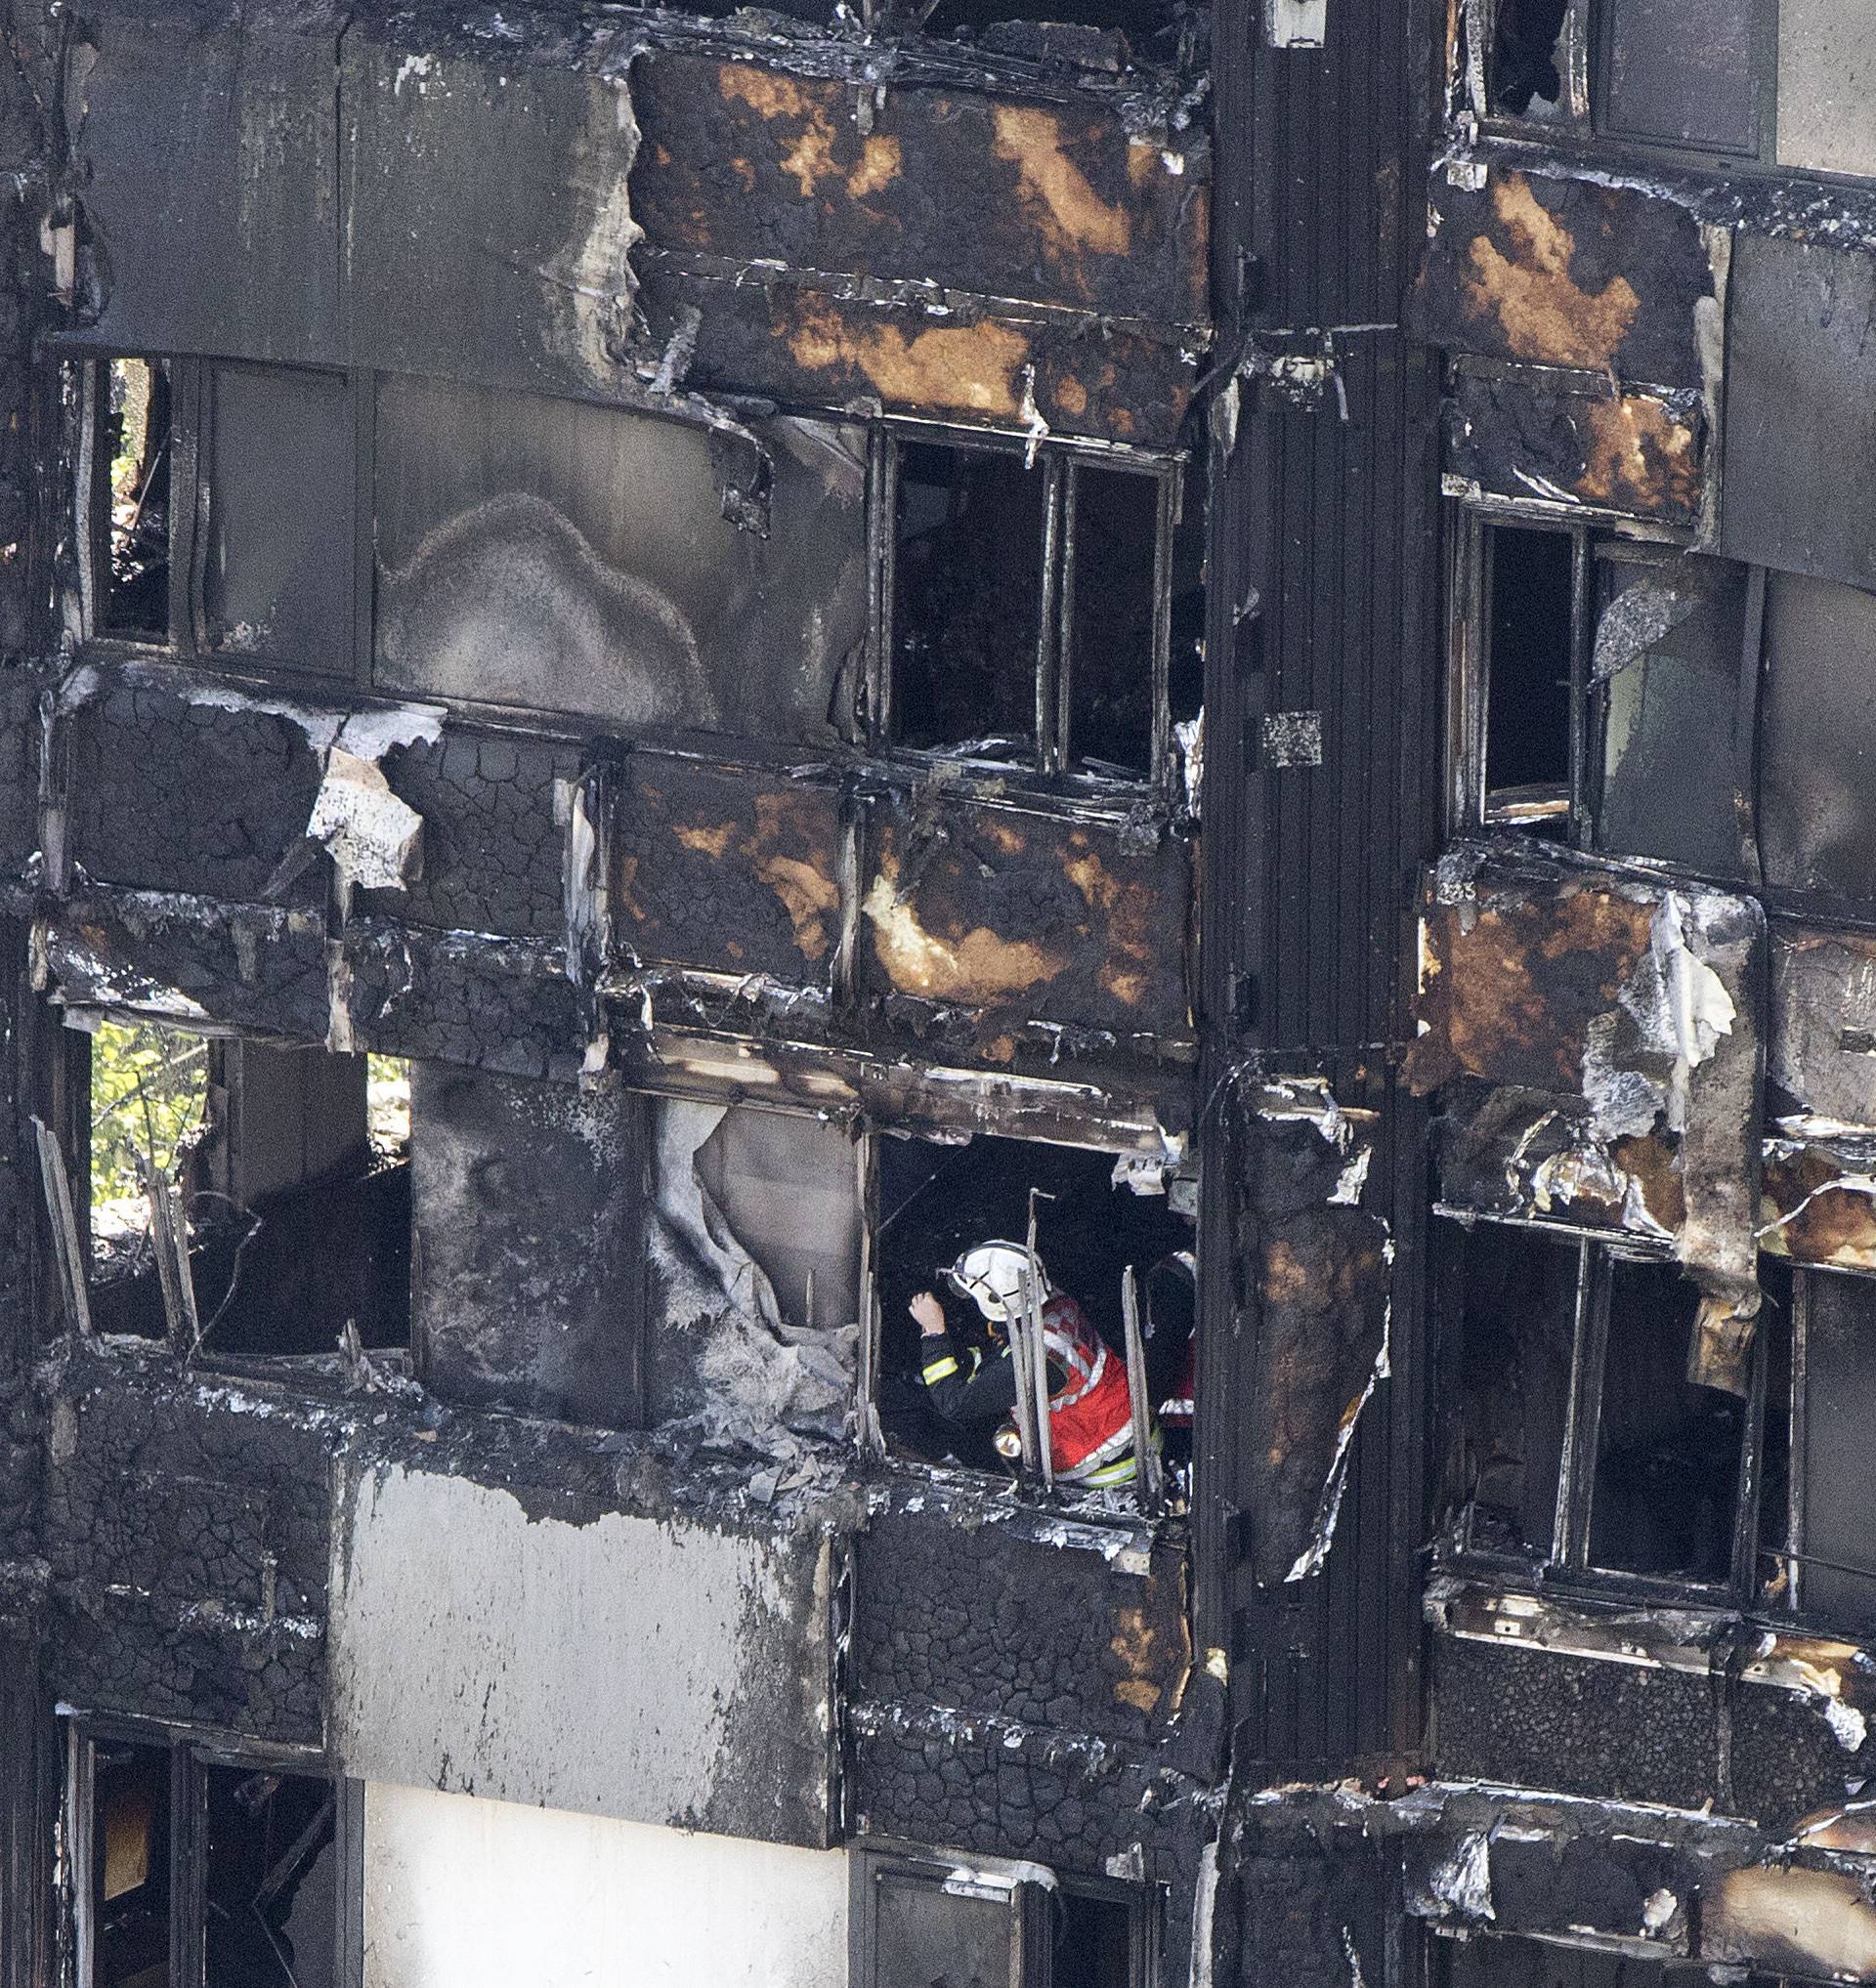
1090	1418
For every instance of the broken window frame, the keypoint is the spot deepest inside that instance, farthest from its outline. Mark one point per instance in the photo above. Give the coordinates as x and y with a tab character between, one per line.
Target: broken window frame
1569	1563
192	1755
1471	806
1588	58
1030	1889
1052	759
88	402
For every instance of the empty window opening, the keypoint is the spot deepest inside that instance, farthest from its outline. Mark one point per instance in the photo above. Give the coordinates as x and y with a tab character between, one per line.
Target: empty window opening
1663	679
132	438
269	1906
131	1863
1096	1939
276	576
1114	555
202	1870
947	1374
1819	1479
1667	1465
293	1198
967	600
1518	1313
1580	1442
1528	693
1529	63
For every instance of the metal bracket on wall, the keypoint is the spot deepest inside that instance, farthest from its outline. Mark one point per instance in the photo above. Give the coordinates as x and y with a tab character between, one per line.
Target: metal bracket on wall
1296	23
1294	371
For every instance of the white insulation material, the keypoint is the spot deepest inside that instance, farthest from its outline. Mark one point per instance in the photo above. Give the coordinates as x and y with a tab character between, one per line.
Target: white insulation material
464	1892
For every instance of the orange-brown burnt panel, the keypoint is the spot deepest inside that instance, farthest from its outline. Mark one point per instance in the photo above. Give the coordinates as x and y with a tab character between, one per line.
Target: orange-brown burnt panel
1509	984
1634	452
729	871
1566	274
1045	921
1047	203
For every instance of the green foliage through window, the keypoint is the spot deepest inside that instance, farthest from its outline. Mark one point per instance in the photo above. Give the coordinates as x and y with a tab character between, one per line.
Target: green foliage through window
149	1091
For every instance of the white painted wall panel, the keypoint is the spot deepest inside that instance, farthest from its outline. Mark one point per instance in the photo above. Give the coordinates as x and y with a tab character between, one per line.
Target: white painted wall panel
464	1892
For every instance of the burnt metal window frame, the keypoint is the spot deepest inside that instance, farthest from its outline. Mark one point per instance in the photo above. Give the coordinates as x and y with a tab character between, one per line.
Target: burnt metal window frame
1028	1891
1059	464
187	636
1567	1565
191	1754
1579	120
1470	805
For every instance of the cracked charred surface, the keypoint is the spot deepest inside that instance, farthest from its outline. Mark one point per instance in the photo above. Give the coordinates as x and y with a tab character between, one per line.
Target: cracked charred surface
1639	453
1000	1788
727	869
188	1532
492	840
221	794
962	1603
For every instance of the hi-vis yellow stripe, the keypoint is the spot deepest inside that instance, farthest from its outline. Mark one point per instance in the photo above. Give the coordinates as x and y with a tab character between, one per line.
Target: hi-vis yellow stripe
941	1370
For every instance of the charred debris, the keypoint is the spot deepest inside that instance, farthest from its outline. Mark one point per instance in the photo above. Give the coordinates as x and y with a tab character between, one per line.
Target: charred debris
1010	883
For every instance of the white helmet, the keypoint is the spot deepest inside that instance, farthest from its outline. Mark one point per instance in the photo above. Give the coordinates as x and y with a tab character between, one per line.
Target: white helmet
992	1276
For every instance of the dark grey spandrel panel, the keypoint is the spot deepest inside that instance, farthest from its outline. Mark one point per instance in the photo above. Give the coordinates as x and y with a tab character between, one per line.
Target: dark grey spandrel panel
1817	737
1682	71
276	576
1800	435
487	230
560	556
527	1215
206	142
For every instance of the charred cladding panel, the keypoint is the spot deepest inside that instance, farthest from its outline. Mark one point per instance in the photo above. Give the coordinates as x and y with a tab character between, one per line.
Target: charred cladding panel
210	177
730	871
1026	915
1563	273
519	276
508	1310
1019	200
1800	408
573	557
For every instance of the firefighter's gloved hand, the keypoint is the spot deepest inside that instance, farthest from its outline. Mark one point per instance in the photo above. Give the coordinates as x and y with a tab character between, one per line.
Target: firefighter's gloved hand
929	1313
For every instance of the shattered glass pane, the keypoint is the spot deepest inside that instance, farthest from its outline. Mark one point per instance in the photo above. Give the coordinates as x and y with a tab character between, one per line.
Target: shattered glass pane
269	1910
135	457
1116	529
1527	62
1681	72
1838	1581
571	557
277	578
130	1877
1666	1472
968	588
1517	1328
1817	736
927	1935
1666	666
